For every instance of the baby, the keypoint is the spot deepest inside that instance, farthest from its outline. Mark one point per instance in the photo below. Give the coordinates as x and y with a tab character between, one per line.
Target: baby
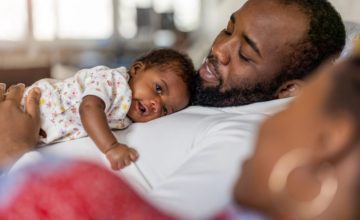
99	99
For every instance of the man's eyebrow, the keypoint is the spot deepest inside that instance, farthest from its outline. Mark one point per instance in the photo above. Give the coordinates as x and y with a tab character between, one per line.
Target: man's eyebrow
251	43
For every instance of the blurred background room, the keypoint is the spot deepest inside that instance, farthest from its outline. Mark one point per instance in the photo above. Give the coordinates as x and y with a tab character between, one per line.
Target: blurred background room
55	38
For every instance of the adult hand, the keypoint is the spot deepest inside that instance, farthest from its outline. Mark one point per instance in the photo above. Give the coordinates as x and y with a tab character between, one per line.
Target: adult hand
19	130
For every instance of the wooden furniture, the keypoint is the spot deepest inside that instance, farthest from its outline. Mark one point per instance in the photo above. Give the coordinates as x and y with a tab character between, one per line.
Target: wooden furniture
24	75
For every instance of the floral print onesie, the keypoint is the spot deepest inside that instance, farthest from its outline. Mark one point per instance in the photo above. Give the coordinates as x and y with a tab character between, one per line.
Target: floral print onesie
60	101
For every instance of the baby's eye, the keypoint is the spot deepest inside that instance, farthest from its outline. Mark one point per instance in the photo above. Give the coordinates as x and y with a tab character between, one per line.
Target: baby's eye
158	89
165	111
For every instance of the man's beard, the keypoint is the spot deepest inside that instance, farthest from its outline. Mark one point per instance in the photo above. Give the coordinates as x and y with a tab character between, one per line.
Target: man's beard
246	93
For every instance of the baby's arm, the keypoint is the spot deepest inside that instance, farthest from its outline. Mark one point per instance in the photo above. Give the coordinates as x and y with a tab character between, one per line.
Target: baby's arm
95	123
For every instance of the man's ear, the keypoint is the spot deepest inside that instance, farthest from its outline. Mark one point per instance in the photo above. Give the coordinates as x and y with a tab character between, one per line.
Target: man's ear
136	68
290	88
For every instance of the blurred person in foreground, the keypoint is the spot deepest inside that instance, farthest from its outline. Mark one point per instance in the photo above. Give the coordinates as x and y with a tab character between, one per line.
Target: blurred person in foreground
306	160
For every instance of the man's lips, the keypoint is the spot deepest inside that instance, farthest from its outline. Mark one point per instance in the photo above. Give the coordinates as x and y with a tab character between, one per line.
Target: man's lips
208	74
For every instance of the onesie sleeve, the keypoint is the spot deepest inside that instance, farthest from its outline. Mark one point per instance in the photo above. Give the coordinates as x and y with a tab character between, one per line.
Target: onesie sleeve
111	86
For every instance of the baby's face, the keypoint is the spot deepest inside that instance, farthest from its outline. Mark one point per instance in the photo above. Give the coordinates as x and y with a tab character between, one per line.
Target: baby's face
156	94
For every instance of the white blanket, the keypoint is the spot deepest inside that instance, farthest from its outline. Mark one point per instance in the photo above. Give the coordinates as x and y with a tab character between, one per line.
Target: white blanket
188	161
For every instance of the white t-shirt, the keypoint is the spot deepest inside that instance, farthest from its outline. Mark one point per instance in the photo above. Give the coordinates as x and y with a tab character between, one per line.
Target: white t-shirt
188	160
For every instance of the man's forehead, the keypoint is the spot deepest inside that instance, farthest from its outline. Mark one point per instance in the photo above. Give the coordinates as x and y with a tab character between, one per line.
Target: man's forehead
270	20
268	9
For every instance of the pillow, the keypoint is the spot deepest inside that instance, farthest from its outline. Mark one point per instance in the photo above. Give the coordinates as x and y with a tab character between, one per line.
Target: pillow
352	31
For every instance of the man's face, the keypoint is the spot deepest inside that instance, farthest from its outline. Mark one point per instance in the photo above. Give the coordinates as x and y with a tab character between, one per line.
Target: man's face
247	57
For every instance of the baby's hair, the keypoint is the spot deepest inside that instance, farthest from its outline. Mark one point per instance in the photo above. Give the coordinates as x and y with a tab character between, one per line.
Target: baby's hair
167	59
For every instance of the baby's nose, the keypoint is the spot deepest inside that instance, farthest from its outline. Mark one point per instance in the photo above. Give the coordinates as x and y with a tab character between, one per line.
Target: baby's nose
155	105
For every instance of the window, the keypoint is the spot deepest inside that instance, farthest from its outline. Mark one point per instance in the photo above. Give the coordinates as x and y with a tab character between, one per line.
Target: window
54	20
69	19
13	20
44	19
127	18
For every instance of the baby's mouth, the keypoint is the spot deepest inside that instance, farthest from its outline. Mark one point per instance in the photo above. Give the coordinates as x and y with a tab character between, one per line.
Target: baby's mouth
142	108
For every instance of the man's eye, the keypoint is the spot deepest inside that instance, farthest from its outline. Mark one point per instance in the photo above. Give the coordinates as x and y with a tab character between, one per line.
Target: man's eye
225	31
158	89
165	111
246	59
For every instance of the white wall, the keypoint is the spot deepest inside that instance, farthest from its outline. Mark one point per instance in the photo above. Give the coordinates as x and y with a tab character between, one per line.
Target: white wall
349	9
220	10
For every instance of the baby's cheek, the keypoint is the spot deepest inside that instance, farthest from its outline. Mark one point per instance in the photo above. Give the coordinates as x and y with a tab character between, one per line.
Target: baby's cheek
131	109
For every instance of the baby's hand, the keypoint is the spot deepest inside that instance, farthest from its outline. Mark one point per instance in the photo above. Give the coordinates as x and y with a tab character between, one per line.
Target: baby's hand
121	156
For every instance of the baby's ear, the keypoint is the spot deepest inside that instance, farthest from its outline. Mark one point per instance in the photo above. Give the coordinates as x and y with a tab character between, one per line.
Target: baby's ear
136	68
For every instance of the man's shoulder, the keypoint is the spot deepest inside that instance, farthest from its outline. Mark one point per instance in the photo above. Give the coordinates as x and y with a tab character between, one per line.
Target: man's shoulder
266	108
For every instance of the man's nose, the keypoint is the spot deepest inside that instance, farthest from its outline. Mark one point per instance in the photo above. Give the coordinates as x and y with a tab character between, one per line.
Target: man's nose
222	49
155	105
